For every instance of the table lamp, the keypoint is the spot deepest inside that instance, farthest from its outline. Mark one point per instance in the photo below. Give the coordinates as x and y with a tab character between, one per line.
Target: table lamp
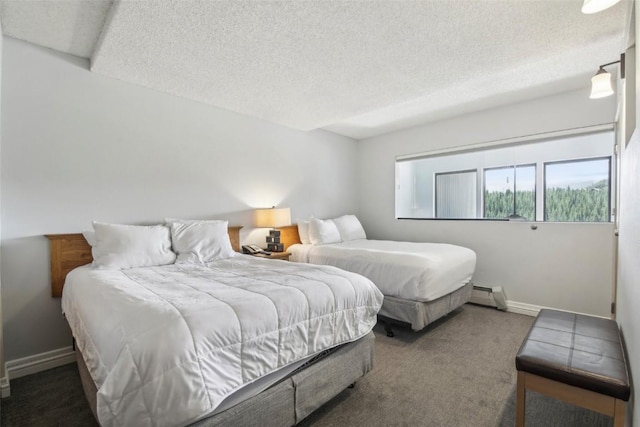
273	218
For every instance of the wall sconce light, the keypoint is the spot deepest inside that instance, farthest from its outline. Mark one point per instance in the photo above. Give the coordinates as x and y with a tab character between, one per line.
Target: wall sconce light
595	6
273	218
601	82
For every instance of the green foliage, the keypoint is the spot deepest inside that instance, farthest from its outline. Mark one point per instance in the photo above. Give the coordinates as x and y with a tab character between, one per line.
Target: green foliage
590	204
498	205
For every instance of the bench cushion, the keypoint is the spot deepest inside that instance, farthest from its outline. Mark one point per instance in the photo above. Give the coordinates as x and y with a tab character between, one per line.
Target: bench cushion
582	351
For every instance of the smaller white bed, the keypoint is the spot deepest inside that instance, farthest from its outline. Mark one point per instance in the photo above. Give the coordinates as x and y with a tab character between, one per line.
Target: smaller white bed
409	270
421	282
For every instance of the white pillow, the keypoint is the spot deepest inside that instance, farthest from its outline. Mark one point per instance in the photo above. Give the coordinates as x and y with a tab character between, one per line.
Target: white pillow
198	242
168	221
119	246
303	232
349	228
323	231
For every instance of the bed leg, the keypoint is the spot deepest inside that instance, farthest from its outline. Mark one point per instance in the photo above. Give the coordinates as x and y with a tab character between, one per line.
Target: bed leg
387	329
352	385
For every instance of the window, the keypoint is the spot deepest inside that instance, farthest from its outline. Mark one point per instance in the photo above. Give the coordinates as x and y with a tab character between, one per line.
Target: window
577	190
456	194
510	192
561	178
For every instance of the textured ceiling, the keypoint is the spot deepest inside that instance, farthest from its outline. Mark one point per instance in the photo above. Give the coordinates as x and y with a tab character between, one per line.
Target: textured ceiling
359	68
71	26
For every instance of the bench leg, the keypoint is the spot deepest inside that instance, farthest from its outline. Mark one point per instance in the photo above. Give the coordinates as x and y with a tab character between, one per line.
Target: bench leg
520	399
619	413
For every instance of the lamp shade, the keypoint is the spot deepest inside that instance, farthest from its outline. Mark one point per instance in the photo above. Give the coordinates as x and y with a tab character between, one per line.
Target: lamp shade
595	6
601	85
272	217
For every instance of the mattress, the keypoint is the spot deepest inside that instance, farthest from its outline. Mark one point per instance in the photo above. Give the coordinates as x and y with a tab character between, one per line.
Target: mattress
166	345
409	270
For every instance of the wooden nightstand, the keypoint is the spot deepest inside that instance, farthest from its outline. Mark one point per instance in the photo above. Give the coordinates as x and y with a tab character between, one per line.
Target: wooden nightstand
275	255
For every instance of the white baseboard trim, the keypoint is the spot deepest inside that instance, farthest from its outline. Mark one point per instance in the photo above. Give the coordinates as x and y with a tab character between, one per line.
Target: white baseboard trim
522	308
5	389
39	362
533	310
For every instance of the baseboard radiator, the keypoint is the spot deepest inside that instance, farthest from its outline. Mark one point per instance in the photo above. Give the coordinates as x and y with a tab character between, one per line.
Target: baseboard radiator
492	297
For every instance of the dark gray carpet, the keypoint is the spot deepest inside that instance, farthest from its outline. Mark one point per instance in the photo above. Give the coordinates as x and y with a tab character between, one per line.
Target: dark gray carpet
457	372
50	398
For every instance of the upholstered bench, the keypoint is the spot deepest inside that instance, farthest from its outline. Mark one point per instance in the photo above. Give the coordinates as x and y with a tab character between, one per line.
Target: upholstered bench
575	358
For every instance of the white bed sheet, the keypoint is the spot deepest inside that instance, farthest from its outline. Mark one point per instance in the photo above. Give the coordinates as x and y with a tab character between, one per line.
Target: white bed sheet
166	345
409	270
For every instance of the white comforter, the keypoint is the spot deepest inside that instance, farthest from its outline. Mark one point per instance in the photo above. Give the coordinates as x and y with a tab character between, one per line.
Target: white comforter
165	345
409	270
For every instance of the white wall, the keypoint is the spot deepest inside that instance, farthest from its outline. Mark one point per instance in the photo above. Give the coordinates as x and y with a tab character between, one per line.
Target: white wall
628	295
565	266
78	147
628	291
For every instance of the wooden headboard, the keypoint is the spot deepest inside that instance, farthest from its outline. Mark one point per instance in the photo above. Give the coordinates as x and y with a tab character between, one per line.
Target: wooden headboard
289	235
69	251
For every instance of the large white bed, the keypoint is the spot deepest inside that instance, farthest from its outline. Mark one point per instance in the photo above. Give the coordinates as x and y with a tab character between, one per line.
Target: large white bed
185	343
421	282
